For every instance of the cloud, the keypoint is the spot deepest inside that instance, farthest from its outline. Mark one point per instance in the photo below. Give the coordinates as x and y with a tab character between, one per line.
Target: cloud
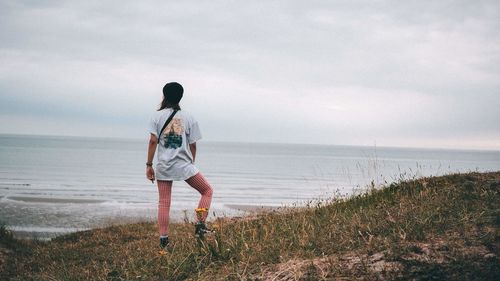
348	72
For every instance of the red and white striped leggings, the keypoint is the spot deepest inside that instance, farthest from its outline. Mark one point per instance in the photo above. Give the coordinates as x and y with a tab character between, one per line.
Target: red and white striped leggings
197	182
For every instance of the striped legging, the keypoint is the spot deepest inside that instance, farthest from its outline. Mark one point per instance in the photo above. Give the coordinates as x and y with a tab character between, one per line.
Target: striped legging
197	182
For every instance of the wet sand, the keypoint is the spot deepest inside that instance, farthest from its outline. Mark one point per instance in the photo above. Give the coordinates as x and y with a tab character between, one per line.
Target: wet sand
35	235
54	200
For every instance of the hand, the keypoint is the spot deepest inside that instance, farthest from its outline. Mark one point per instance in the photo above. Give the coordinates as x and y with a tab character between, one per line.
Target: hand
150	174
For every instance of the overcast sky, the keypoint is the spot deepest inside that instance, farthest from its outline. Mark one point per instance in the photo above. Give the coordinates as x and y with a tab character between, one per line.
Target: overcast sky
390	73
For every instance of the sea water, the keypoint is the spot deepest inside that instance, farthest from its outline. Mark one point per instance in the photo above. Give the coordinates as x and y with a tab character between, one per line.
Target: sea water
52	185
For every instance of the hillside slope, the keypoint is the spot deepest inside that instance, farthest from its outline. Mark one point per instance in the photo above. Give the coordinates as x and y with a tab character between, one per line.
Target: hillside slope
430	228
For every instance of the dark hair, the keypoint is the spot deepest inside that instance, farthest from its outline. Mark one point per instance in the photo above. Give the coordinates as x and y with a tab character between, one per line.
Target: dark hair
172	95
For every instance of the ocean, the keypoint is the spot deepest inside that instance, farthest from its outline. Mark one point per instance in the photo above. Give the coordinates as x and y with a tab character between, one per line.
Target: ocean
52	185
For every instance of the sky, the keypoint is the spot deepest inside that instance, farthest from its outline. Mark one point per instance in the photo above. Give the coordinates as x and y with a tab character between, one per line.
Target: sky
384	73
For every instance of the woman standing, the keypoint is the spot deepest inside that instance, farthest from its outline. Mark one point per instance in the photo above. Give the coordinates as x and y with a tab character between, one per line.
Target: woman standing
175	133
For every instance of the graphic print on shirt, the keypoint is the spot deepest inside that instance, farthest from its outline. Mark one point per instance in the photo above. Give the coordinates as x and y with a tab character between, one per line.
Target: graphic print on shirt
173	134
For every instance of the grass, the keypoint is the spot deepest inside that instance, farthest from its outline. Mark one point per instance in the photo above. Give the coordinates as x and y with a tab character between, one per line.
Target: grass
424	229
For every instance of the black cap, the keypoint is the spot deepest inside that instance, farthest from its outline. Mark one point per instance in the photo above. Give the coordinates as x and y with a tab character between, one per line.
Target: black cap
173	92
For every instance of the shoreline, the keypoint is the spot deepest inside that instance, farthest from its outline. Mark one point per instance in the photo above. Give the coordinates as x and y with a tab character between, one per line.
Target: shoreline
43	233
47	233
32	199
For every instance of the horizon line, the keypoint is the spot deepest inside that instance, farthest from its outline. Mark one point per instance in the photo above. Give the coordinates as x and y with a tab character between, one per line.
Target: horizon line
262	142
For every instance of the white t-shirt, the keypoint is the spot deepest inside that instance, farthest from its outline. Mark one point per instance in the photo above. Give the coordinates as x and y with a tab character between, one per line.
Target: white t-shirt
175	161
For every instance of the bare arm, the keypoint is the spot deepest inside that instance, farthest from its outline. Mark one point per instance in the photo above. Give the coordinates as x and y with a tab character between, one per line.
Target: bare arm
192	147
153	142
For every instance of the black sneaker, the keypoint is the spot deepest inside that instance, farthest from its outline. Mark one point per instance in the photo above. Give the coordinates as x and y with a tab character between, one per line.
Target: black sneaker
163	245
200	229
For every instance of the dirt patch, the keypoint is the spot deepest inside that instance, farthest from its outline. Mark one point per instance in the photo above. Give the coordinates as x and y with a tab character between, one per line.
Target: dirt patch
380	266
349	265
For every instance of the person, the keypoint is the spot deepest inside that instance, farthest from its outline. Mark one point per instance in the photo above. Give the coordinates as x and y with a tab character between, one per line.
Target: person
176	146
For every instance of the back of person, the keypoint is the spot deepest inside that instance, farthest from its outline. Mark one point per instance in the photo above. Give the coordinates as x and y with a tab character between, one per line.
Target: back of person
175	160
174	133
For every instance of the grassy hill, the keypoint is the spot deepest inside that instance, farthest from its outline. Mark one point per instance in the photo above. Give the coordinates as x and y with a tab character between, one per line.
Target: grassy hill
430	228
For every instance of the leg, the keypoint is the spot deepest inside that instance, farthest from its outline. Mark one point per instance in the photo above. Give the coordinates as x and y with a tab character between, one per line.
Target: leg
165	192
199	183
